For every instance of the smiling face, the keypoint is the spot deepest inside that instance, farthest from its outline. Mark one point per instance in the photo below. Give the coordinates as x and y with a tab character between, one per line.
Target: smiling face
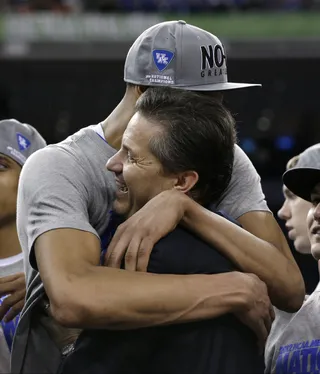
139	174
177	139
9	178
313	222
294	212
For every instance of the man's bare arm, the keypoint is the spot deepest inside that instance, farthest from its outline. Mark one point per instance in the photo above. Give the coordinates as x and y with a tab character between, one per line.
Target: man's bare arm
85	295
259	247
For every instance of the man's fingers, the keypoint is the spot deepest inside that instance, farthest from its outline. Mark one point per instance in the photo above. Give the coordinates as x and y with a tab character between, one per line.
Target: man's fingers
6	289
131	256
113	259
11	301
116	237
11	285
14	311
115	255
144	253
10	278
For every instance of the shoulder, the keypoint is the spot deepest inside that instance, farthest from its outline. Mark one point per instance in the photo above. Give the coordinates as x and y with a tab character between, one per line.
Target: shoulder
244	193
48	155
50	162
52	178
243	164
42	167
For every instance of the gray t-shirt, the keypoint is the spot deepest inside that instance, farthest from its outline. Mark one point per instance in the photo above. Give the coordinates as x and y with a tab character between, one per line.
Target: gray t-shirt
67	186
61	186
293	346
8	266
244	193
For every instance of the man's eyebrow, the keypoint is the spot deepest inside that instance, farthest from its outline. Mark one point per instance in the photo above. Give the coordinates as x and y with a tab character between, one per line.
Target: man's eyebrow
128	148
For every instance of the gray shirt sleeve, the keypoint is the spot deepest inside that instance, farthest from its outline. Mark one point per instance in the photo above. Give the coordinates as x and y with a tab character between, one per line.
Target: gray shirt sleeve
244	193
53	193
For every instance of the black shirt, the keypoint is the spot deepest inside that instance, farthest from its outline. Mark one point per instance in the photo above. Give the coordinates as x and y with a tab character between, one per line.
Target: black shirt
217	346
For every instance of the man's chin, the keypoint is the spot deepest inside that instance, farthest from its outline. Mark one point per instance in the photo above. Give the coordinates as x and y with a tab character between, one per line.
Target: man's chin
124	208
120	208
302	246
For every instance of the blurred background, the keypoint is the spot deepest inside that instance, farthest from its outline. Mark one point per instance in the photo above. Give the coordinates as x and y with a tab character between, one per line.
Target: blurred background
61	68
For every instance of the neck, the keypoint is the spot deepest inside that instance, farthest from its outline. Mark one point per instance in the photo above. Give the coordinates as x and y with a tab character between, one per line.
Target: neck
9	242
115	125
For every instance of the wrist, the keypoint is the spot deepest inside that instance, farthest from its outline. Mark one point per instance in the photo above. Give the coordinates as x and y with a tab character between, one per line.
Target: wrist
179	199
238	293
245	291
188	207
229	290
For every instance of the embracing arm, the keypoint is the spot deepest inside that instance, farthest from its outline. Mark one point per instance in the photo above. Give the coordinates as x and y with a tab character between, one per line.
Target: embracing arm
54	227
259	247
85	295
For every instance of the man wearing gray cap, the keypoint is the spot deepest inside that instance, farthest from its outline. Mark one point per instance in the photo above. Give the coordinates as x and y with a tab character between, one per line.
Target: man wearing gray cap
294	342
64	203
17	142
175	54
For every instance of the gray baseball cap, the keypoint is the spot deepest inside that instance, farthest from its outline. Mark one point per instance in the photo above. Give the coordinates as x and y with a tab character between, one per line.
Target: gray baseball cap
302	179
19	140
179	55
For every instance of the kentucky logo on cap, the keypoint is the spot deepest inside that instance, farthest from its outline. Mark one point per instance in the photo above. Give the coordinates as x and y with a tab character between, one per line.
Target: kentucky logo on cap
162	58
23	142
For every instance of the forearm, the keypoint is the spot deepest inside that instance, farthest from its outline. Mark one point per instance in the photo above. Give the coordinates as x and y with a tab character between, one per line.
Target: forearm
120	300
250	253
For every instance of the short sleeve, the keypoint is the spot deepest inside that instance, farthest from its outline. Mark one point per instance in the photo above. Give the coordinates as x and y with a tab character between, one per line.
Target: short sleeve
244	193
52	194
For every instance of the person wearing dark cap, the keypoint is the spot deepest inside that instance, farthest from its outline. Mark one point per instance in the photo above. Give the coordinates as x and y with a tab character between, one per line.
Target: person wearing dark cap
294	212
17	142
293	345
64	207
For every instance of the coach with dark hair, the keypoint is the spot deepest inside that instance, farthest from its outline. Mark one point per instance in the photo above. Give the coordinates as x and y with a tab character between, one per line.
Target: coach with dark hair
182	141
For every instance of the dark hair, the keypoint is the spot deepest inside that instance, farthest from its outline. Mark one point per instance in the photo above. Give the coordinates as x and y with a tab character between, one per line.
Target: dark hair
198	134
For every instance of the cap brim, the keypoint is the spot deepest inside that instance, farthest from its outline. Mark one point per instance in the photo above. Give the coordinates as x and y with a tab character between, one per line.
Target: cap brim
219	86
301	181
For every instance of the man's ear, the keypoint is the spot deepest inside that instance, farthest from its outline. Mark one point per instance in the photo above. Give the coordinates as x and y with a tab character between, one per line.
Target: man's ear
186	181
140	90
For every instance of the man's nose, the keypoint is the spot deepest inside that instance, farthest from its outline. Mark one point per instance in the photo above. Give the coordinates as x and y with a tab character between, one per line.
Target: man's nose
284	211
115	164
316	212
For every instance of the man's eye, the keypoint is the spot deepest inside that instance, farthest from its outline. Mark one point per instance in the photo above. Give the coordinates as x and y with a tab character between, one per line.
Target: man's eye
130	158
